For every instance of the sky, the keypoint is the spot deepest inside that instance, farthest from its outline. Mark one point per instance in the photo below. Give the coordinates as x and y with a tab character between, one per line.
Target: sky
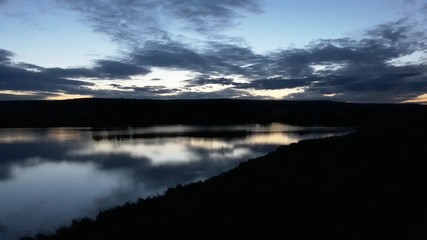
340	50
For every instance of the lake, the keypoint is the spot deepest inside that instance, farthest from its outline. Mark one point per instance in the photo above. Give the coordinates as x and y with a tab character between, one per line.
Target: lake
49	176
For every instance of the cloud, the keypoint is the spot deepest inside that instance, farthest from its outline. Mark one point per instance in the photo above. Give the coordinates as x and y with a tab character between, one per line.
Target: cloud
229	93
124	21
358	69
133	22
171	55
19	79
35	82
215	59
205	15
115	69
237	59
348	69
103	69
381	84
5	56
205	81
153	90
275	83
354	69
376	47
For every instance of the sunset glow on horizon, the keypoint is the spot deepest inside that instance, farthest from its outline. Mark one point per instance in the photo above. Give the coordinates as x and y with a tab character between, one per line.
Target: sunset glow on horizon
352	51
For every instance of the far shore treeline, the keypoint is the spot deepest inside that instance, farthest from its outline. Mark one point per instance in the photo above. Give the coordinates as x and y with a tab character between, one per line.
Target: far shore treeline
132	113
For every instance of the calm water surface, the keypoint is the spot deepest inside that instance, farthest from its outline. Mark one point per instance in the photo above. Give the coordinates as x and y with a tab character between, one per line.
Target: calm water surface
50	176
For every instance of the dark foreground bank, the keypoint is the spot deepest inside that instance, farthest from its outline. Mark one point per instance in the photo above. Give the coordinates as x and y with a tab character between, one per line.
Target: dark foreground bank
366	185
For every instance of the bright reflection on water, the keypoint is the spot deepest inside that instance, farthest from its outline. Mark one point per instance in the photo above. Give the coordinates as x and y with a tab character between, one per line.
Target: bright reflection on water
50	176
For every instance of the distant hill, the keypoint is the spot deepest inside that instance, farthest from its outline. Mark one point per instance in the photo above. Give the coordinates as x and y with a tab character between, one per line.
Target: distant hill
125	112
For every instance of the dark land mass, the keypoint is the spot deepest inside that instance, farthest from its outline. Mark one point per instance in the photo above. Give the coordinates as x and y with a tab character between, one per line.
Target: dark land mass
370	184
123	113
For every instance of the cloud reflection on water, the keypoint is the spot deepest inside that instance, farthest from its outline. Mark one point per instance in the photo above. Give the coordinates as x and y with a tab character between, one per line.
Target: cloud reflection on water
50	176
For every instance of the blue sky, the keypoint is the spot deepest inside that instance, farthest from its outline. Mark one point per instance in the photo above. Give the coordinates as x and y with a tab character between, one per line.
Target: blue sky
343	50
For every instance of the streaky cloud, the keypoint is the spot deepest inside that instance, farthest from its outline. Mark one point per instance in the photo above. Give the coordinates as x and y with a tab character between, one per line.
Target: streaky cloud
363	70
215	59
275	83
204	81
133	22
357	69
5	56
205	15
13	78
103	69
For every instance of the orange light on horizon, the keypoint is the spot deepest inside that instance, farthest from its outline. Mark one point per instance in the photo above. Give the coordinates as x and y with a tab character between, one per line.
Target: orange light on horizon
64	96
421	99
18	93
57	96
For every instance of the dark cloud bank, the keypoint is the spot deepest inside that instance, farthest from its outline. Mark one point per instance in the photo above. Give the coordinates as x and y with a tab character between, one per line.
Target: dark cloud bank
357	69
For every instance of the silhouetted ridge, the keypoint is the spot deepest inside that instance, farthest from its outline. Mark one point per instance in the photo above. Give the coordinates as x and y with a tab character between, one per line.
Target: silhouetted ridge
122	112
